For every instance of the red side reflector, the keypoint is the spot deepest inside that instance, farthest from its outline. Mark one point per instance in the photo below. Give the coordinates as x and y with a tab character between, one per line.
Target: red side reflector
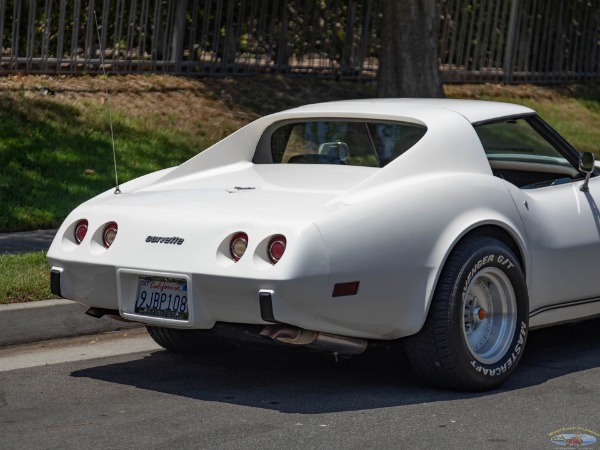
343	289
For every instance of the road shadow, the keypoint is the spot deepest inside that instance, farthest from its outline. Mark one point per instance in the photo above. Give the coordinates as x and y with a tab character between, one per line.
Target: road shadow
303	382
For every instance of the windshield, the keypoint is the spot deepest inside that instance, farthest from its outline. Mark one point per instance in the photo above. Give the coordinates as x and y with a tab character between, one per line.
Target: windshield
355	143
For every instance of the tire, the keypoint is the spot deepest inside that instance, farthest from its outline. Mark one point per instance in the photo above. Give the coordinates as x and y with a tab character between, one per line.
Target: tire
188	341
476	329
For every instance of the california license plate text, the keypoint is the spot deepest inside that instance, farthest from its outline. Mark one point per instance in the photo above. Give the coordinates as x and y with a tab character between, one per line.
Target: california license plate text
162	297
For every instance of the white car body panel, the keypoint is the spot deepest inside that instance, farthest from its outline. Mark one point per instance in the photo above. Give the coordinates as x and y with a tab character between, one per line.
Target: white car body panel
390	228
563	228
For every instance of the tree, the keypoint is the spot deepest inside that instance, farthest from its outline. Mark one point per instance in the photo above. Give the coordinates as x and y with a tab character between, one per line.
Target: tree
409	62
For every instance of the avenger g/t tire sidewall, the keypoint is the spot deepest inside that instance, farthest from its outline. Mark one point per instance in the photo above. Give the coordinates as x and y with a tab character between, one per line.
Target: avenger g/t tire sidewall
477	324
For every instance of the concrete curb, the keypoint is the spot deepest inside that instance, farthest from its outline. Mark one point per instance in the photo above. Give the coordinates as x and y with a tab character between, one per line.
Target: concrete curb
23	323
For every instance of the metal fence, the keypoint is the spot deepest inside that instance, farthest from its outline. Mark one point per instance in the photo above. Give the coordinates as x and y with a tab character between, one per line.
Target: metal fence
479	40
520	40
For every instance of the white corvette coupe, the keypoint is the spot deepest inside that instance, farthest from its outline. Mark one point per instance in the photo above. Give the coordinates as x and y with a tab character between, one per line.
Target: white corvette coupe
453	226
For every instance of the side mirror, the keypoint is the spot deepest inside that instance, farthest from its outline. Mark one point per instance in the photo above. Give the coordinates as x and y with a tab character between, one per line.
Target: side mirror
337	149
586	165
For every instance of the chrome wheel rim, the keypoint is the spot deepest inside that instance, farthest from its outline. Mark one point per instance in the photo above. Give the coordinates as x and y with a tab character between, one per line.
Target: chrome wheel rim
489	315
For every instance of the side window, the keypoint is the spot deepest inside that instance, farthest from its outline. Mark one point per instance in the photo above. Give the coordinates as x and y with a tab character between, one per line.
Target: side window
519	154
367	144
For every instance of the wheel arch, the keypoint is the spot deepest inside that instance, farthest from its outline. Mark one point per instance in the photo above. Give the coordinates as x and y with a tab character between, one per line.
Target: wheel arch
497	232
509	236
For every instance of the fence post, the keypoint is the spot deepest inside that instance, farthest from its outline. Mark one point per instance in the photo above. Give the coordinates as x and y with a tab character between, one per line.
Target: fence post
510	41
178	35
283	58
347	61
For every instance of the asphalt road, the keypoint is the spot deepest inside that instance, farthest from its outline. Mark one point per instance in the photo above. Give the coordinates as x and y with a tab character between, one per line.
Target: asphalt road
121	391
26	241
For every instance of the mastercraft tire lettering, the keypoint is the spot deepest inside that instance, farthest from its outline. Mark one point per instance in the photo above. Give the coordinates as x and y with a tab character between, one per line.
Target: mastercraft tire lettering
477	324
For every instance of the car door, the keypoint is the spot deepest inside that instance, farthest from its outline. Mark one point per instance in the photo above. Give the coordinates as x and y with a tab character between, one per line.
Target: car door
562	222
563	230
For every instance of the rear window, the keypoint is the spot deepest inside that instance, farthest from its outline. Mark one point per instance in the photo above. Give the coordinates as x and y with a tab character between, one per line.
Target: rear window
368	144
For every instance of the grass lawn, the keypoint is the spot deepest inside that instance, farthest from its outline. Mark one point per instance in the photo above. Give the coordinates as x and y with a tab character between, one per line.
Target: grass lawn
56	149
59	154
24	278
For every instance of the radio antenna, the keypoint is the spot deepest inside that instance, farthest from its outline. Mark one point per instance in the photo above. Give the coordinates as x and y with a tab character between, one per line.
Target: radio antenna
112	134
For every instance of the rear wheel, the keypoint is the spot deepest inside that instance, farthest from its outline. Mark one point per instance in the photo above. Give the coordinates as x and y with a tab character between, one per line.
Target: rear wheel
477	324
188	341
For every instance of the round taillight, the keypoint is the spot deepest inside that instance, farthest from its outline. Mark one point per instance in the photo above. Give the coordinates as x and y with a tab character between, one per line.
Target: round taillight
276	248
80	230
238	246
109	234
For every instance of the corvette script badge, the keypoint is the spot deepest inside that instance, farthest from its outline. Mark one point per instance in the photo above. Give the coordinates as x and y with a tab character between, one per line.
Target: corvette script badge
164	240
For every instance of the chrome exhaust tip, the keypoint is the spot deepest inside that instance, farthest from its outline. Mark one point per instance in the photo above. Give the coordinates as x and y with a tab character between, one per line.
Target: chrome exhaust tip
315	339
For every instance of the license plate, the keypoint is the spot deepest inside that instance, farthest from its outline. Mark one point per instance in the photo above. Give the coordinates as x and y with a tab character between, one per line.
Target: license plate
162	297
